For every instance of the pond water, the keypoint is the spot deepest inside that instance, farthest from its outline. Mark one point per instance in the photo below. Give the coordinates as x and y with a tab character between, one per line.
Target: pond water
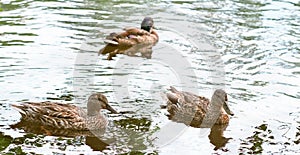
49	51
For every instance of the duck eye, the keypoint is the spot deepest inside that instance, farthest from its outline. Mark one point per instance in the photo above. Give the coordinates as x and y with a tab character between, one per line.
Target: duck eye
226	97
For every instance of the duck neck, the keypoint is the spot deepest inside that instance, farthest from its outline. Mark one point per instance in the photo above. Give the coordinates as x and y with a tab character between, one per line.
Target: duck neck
154	33
92	108
213	111
146	28
92	113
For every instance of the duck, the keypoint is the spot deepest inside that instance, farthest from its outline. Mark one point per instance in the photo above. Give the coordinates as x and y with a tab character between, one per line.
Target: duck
198	111
131	39
67	116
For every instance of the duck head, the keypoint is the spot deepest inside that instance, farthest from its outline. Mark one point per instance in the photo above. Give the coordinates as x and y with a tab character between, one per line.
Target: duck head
147	24
221	96
96	102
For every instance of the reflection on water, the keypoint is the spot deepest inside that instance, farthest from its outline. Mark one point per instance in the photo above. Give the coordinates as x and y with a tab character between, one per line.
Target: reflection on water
46	130
95	143
217	138
42	44
5	141
297	137
128	132
139	50
263	136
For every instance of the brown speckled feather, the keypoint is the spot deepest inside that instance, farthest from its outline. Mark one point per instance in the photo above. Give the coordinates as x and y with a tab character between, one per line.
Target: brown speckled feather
187	99
51	113
67	116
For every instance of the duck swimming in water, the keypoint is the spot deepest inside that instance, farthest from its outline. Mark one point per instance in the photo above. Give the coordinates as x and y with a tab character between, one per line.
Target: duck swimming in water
197	111
67	116
131	40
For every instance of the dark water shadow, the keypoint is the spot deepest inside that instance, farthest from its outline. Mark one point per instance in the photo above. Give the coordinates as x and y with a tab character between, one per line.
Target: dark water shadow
215	136
138	50
125	132
96	144
264	136
91	137
133	132
4	141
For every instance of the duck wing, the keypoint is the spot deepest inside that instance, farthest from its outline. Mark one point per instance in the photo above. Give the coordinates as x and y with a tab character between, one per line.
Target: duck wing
187	99
185	107
116	43
142	36
135	31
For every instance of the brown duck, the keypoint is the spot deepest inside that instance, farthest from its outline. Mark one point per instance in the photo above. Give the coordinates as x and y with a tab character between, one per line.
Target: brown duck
131	40
196	110
67	116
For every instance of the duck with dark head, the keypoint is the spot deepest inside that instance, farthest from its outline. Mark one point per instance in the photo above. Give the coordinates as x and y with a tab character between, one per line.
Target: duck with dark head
132	41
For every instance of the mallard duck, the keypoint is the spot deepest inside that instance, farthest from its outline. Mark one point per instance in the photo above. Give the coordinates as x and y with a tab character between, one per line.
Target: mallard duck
67	116
196	110
131	40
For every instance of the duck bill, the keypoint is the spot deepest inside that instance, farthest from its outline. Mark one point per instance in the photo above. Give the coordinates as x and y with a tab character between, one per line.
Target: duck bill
226	108
111	109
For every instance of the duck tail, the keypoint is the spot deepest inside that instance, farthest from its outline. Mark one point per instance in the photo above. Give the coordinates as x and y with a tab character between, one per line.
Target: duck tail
173	89
19	108
107	49
111	44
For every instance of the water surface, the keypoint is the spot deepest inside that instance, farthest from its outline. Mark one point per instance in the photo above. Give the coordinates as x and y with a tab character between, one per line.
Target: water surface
49	51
